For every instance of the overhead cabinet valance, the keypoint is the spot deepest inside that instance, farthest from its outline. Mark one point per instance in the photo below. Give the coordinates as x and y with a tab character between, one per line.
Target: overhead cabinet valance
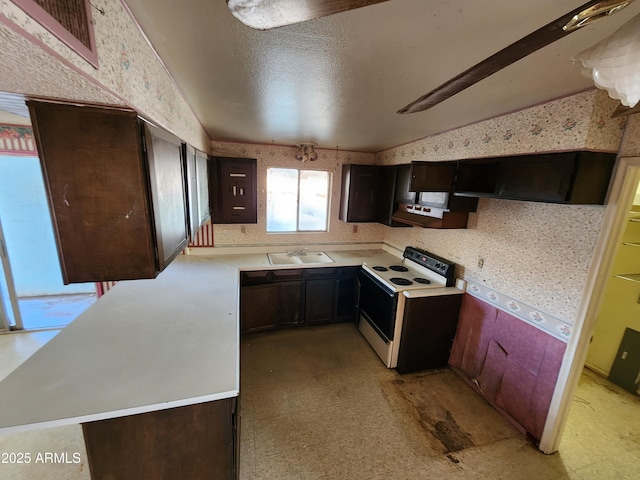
566	177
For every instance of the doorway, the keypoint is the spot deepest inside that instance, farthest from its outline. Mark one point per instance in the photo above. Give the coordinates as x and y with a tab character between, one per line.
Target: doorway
620	308
621	197
32	290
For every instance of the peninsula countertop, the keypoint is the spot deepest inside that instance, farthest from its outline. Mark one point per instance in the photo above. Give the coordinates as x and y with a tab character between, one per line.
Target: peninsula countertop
148	345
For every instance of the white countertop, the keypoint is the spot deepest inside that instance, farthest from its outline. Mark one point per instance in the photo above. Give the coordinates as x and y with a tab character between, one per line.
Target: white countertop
151	344
255	258
146	345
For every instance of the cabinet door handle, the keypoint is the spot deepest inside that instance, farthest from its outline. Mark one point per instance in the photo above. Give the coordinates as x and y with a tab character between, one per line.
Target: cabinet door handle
242	175
241	191
234	190
239	208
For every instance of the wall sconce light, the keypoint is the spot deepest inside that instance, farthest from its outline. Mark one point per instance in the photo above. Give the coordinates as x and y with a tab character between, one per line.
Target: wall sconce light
307	152
614	63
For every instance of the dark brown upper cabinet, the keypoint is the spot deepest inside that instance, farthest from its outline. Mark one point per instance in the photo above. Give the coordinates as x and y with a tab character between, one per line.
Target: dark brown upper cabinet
358	200
434	205
432	176
115	187
234	190
393	190
565	177
478	178
196	163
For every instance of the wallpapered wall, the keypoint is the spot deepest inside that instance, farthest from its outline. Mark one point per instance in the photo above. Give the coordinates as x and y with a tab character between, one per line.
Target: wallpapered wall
283	156
537	253
129	72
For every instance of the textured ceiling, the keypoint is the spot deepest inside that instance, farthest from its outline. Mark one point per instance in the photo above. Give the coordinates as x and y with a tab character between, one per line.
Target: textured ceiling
340	80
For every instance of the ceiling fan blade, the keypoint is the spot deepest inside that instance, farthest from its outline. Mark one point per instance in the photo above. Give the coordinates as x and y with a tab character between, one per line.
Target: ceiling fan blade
266	14
542	37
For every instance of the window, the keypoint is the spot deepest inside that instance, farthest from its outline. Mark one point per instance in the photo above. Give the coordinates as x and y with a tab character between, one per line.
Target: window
297	200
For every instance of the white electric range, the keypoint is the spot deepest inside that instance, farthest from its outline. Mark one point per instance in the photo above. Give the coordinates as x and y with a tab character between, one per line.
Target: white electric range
381	302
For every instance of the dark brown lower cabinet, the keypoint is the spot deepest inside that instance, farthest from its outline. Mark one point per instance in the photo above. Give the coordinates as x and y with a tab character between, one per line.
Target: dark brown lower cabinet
269	299
320	301
428	329
258	307
280	298
290	296
347	294
195	442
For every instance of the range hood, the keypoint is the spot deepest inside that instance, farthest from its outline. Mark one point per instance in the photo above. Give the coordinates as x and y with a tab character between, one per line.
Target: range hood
429	217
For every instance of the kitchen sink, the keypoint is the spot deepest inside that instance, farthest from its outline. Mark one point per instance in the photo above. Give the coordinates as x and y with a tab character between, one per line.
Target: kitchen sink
295	258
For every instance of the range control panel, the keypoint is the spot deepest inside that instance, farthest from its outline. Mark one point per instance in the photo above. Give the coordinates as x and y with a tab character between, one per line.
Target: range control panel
433	262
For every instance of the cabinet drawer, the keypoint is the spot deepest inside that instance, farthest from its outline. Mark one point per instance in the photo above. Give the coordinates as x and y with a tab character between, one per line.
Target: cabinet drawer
255	278
322	272
289	274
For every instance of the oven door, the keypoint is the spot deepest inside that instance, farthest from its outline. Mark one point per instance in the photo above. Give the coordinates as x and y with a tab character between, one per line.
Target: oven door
377	305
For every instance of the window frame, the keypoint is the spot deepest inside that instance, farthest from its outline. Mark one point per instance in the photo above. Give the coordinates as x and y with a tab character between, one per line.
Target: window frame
327	203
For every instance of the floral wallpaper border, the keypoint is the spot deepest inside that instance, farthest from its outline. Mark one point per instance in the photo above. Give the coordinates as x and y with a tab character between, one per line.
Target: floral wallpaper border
576	122
17	140
541	320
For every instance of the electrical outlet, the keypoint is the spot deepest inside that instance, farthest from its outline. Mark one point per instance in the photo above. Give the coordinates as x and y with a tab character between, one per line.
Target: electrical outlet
480	262
242	229
355	229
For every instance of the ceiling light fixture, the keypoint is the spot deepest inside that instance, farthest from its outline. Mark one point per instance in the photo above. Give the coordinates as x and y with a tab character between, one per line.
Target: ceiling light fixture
307	152
614	63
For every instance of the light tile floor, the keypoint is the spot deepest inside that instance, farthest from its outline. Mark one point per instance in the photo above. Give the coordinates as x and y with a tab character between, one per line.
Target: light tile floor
318	404
54	310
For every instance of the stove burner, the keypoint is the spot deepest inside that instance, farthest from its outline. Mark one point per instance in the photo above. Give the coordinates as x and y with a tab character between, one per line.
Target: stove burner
421	280
399	268
380	268
400	281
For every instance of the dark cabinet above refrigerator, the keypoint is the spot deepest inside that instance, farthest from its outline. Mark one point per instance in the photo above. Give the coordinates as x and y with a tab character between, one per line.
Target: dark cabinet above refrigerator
580	177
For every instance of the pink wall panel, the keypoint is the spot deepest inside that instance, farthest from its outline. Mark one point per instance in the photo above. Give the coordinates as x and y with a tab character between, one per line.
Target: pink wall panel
512	364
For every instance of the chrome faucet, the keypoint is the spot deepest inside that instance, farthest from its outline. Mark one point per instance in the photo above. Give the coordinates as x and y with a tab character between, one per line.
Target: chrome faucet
297	253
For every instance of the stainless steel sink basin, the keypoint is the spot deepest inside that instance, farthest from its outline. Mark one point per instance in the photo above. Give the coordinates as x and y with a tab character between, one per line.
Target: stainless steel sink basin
308	258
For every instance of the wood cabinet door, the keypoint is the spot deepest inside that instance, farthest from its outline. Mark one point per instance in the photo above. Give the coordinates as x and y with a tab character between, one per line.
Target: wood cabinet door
187	443
347	294
258	307
166	173
359	193
97	186
545	178
428	329
432	176
290	305
320	300
235	190
385	205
